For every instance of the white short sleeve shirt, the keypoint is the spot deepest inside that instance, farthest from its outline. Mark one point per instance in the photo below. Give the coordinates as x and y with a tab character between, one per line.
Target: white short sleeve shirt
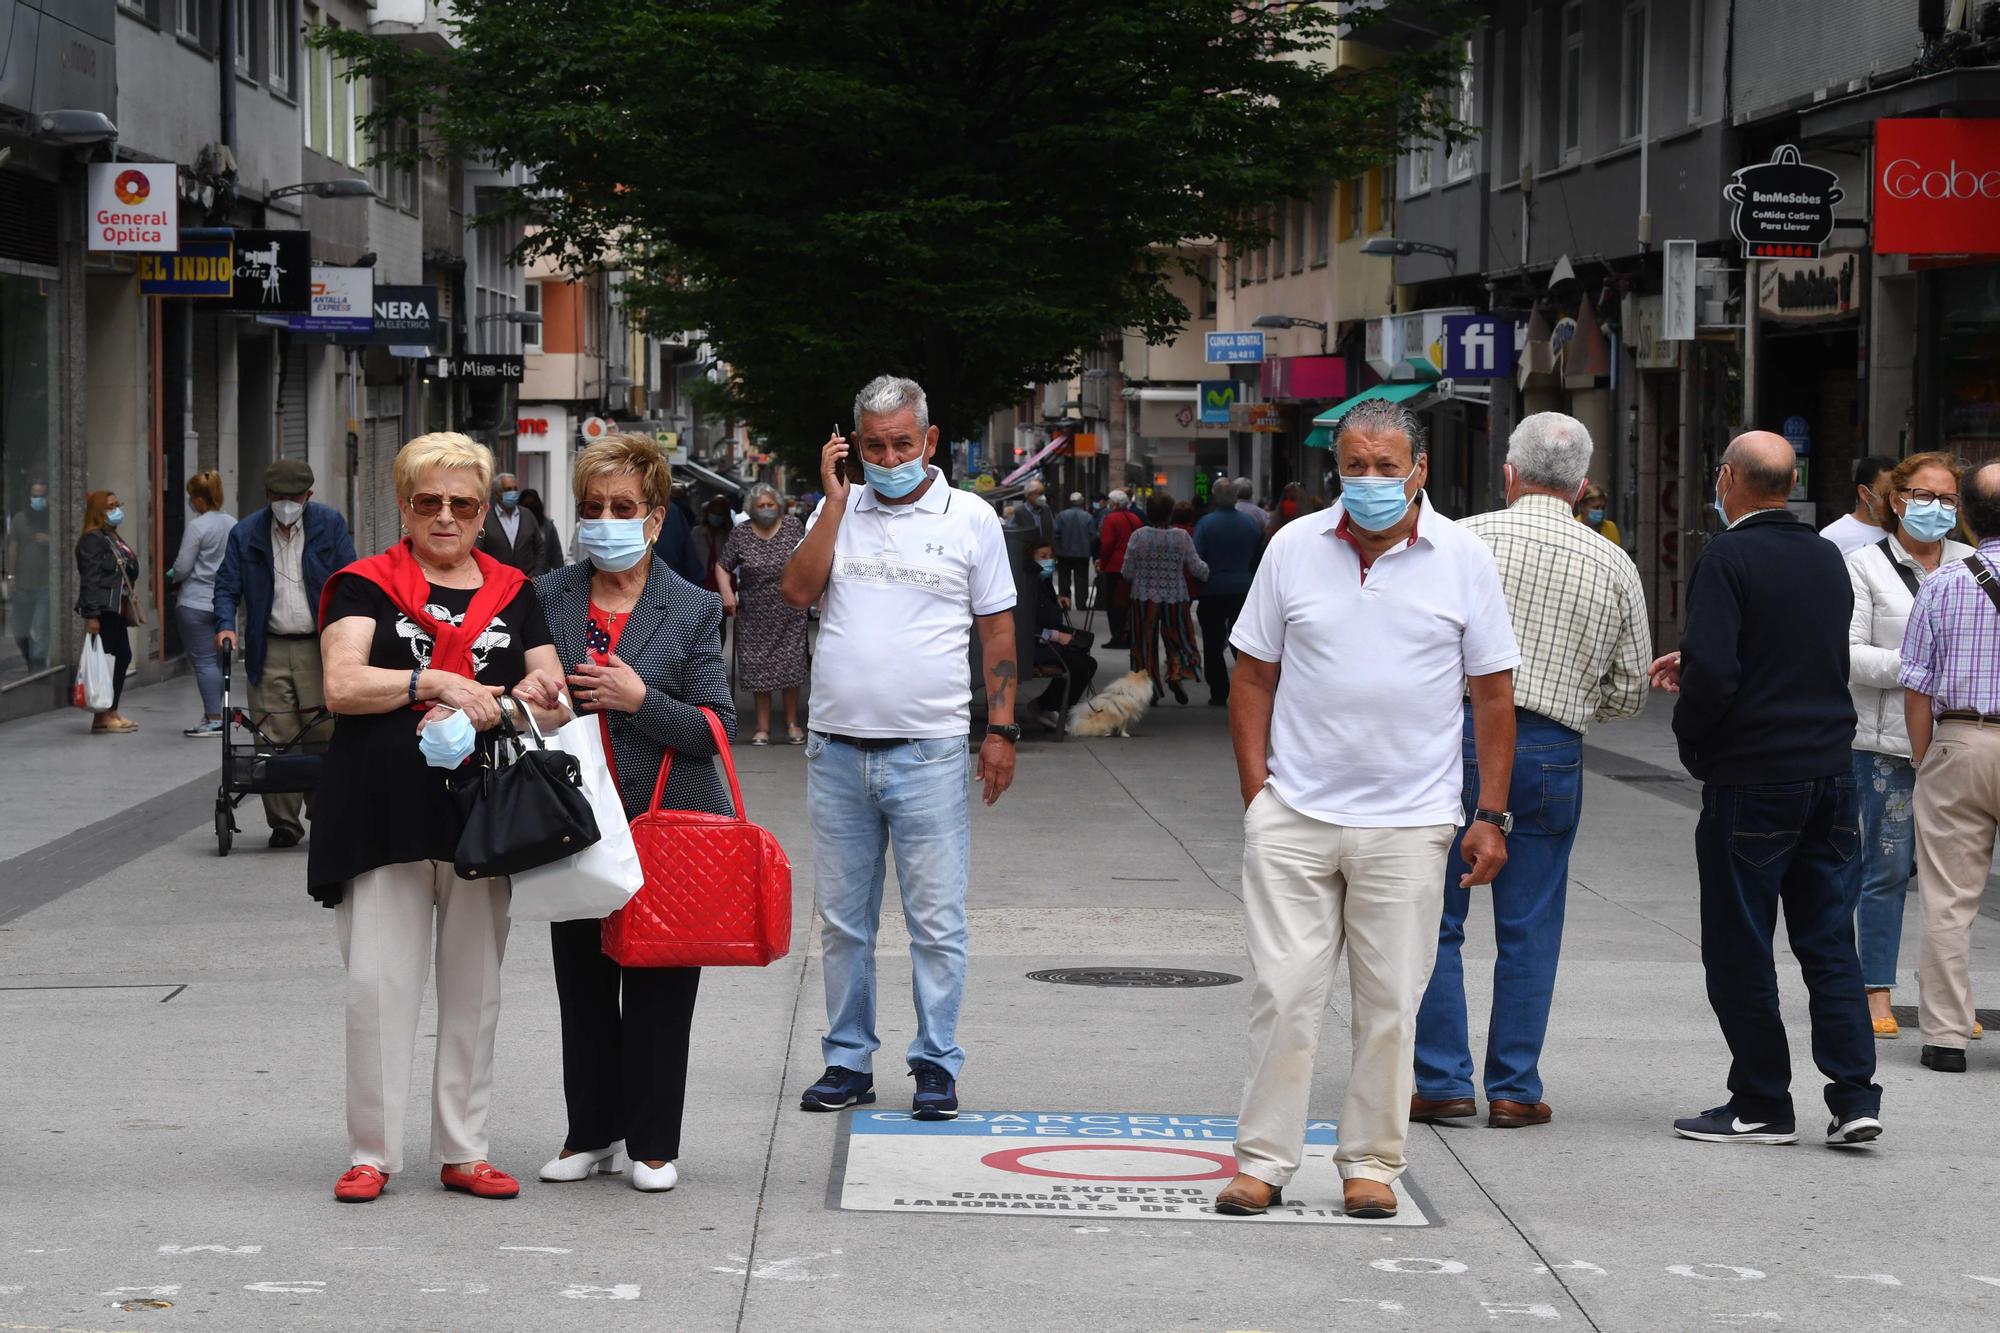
1366	728
895	623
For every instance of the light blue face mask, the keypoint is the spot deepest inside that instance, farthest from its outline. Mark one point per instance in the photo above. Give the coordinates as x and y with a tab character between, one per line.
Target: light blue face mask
115	516
1929	520
38	503
510	498
893	483
1597	516
1048	568
1376	503
613	544
447	742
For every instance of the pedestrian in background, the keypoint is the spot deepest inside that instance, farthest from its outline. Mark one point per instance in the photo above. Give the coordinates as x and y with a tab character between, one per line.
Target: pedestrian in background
1076	537
903	569
770	633
273	570
1578	612
1363	631
1921	506
1246	503
1291	503
204	540
28	564
1591	511
552	542
1055	642
1229	542
106	569
1033	512
513	535
1121	520
1159	560
1866	524
1765	721
1951	703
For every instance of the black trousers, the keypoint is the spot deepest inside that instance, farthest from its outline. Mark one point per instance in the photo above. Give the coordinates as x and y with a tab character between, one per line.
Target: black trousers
1217	616
113	632
1073	579
1116	599
1795	844
625	1045
1082	670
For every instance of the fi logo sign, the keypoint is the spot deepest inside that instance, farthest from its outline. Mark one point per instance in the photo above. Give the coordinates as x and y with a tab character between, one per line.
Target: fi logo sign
1478	347
1217	397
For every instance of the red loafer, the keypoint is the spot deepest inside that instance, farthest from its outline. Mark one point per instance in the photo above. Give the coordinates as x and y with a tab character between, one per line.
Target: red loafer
481	1179
361	1184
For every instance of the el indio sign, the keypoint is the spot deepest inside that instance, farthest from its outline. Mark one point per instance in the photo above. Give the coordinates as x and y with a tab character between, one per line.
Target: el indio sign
1937	187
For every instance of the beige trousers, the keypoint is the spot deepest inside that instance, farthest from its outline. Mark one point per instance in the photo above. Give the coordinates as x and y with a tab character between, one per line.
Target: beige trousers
1957	811
289	691
385	924
1309	889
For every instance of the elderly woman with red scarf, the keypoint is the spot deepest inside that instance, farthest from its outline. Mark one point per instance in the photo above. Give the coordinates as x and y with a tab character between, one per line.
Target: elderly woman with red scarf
418	645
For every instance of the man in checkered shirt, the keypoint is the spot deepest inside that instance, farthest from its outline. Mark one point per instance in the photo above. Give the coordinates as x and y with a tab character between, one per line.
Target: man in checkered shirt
1579	613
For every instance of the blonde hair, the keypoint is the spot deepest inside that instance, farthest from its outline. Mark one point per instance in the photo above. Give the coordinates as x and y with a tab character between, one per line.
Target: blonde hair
626	453
1890	482
441	449
206	487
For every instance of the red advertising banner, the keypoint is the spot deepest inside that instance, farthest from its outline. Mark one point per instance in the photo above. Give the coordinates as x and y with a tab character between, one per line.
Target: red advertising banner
1937	187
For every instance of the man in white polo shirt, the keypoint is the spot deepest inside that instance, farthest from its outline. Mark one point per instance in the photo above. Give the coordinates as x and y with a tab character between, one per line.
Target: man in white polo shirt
1364	629
902	568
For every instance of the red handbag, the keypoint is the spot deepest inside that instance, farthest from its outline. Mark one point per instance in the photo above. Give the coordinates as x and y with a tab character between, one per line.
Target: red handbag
718	889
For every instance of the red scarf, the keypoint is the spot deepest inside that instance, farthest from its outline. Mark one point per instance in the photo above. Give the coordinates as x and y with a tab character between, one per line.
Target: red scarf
397	573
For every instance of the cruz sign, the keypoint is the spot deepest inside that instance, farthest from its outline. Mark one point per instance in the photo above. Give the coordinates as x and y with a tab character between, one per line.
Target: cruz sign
1937	187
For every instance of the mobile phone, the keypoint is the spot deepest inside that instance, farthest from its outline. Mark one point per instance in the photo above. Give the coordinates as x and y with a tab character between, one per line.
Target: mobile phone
851	465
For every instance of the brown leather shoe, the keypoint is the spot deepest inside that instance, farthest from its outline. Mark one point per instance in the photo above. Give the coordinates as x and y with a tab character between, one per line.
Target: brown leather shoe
1368	1198
1426	1112
1516	1115
1247	1196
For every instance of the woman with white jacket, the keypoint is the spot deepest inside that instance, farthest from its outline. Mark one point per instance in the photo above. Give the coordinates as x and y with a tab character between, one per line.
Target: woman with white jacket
1922	495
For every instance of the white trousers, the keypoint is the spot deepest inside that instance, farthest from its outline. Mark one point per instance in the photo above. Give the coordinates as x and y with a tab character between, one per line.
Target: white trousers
1310	888
386	924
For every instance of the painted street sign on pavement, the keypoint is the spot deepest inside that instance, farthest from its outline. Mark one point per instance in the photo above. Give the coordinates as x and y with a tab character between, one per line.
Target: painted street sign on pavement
1080	1166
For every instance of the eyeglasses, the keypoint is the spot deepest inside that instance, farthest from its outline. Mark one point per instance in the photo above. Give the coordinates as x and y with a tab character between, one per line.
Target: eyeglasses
428	503
1919	495
622	507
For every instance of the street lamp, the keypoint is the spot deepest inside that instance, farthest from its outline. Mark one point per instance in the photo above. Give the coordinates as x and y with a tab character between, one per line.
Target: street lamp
1390	246
524	318
75	127
340	187
1292	321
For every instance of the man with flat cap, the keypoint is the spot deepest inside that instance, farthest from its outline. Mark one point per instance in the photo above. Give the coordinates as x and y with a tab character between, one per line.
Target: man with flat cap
1766	722
272	571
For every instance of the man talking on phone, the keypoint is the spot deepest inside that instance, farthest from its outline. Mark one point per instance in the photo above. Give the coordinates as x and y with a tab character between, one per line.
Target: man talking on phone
903	568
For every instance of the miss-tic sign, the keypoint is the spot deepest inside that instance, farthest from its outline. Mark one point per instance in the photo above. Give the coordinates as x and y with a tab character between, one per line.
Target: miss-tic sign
134	206
1937	187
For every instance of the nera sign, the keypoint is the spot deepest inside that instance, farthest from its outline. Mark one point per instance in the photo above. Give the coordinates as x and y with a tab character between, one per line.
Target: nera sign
404	317
1937	187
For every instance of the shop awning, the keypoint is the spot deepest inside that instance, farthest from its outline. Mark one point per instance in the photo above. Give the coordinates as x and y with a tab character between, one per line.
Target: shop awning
1394	393
1320	437
712	477
1034	460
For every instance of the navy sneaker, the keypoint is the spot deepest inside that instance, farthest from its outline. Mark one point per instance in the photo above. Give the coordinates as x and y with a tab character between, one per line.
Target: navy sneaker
1723	1125
838	1088
936	1097
1853	1131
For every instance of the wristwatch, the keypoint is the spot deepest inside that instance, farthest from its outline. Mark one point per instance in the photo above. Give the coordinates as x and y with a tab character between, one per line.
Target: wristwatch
1009	733
1503	818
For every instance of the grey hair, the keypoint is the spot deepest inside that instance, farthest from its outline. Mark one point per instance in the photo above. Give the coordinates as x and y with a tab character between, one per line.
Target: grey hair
1379	416
891	393
1223	492
1551	450
1243	487
759	490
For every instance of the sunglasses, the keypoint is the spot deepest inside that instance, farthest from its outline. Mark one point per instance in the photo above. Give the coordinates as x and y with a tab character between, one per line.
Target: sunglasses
428	503
621	507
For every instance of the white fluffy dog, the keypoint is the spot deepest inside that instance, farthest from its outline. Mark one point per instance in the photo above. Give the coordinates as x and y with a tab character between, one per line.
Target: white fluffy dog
1112	713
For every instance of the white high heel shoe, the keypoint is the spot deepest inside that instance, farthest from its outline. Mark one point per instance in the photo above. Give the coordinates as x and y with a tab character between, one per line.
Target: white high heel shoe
652	1180
578	1166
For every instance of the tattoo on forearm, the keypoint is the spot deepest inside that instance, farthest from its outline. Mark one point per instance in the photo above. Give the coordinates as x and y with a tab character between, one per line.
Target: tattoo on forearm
1003	675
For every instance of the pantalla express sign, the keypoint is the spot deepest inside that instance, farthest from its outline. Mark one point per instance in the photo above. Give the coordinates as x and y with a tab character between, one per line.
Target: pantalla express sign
1937	187
198	268
134	206
1784	207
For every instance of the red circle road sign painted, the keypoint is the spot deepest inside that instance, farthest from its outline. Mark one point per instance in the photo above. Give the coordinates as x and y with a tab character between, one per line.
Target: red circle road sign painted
1010	1160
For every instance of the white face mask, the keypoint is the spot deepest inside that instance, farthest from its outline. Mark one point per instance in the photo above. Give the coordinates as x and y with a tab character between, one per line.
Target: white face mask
287	512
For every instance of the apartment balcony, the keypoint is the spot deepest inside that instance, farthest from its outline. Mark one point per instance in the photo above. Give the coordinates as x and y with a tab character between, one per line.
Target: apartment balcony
419	24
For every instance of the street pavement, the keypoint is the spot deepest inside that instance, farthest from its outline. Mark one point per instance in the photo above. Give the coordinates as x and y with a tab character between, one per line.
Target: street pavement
170	1099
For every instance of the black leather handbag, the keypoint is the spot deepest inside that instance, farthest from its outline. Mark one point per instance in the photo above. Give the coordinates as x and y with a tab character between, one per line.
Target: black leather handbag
519	806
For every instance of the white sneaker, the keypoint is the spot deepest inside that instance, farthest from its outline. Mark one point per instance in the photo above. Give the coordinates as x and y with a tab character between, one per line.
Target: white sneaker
1853	1133
578	1166
654	1180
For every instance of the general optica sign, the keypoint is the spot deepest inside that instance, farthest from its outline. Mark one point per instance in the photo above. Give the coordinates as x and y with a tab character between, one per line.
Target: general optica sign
1937	187
134	206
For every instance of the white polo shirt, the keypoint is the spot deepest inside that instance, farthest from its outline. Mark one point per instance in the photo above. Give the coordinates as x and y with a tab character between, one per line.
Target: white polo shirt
895	624
1366	728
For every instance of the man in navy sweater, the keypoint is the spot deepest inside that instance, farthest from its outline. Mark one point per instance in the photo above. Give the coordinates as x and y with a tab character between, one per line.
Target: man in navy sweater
1765	721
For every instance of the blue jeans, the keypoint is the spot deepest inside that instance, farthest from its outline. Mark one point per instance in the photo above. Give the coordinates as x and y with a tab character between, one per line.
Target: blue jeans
1797	844
198	641
916	797
1887	785
1545	794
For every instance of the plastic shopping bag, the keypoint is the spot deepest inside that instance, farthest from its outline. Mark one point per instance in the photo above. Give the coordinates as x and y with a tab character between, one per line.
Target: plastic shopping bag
93	677
602	877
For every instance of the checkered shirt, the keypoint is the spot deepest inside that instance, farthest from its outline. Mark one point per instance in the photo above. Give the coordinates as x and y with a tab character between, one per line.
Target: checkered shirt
1577	609
1951	647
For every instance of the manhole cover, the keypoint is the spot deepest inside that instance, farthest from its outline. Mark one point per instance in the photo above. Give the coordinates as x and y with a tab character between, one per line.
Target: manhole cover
1168	977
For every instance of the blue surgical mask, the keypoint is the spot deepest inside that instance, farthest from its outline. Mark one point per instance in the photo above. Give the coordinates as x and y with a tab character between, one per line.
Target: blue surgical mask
893	483
613	544
1376	503
447	742
1597	516
1048	568
1929	520
38	503
1720	512
763	515
510	498
115	516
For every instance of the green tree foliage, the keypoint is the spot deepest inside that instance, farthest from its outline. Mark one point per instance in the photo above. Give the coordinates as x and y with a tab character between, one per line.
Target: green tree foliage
968	193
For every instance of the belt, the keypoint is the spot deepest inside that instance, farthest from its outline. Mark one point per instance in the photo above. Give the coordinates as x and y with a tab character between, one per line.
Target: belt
291	637
865	742
1967	715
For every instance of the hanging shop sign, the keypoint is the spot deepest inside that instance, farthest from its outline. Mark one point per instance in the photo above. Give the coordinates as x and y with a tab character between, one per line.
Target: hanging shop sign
1937	187
1804	291
483	368
1784	207
1216	398
134	206
341	301
1481	346
273	273
1256	418
198	268
1246	348
1296	379
404	317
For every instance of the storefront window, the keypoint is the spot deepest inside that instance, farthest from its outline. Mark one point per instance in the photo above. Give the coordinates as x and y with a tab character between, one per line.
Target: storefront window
28	554
1967	355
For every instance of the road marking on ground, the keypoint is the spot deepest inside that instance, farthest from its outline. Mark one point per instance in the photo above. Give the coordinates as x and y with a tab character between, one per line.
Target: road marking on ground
1573	1266
1886	1279
621	1291
1160	1167
535	1249
211	1249
1531	1309
1729	1273
1446	1267
286	1288
779	1270
154	1293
